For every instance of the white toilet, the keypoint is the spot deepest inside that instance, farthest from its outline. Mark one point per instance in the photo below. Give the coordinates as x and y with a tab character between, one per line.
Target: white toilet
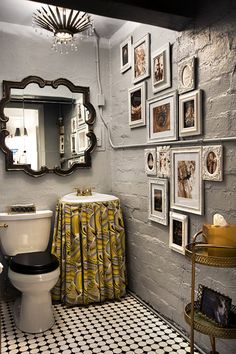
32	270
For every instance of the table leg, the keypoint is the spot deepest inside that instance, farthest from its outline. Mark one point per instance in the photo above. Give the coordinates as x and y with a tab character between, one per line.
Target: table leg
213	345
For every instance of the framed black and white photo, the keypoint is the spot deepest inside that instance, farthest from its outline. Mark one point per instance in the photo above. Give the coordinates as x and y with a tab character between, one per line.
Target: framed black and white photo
162	124
73	143
190	113
141	59
178	235
186	181
212	163
82	139
125	55
161	68
80	113
150	161
186	75
73	124
163	161
214	305
158	200
137	105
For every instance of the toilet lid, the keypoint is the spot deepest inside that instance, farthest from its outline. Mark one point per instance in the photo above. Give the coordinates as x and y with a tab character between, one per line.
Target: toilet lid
34	263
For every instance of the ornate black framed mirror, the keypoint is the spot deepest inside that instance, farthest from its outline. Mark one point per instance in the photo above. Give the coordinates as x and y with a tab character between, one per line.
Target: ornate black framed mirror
46	126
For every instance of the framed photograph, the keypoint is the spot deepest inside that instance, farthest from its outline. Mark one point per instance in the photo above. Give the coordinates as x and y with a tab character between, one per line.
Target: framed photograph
186	181
73	124
186	75
190	113
161	68
125	55
150	161
214	305
137	104
62	143
178	236
82	139
163	161
158	200
80	113
141	59
162	118
73	143
212	163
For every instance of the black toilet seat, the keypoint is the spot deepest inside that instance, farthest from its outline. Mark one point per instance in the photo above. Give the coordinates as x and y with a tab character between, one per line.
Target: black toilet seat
34	263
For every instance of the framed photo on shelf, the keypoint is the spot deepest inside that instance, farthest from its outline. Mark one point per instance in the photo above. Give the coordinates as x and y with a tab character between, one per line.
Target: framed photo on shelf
161	68
178	235
158	200
82	139
141	59
163	161
212	163
186	75
186	181
190	113
214	305
137	105
125	55
150	161
162	118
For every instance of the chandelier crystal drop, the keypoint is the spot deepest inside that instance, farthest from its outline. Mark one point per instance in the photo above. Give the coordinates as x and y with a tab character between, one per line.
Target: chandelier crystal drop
64	24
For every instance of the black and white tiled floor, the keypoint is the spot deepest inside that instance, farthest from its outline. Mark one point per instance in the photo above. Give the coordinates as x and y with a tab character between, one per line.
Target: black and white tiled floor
126	327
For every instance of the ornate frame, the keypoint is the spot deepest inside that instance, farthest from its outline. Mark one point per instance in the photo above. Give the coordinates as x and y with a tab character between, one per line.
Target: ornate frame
190	113
147	153
163	161
186	75
146	42
212	161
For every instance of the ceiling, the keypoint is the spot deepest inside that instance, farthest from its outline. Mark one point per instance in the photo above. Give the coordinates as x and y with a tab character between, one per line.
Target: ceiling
20	12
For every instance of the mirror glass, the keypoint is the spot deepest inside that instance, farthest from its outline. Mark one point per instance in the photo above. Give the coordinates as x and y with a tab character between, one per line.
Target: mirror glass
48	128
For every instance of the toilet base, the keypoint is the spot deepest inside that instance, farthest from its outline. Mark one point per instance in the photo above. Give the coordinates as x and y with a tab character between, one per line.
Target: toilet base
33	314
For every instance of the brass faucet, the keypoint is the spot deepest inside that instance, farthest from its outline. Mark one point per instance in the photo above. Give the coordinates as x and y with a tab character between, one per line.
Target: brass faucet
3	225
83	192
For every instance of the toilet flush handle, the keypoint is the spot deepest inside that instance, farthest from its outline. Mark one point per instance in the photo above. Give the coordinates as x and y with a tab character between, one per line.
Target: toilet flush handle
3	225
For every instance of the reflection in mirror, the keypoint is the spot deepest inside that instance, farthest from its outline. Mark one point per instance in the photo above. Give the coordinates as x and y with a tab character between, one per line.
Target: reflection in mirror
48	126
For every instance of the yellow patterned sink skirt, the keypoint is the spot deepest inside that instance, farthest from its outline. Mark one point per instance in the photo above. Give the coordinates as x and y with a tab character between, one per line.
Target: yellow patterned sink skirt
89	242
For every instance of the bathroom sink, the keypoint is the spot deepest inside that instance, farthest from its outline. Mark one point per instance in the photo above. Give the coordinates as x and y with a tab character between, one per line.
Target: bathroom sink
95	197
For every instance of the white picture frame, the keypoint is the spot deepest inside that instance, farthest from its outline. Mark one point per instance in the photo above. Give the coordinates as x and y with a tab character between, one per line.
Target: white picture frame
141	59
212	163
161	68
162	122
158	200
163	161
73	143
150	161
73	124
178	233
80	114
125	55
190	113
137	105
82	139
186	181
186	75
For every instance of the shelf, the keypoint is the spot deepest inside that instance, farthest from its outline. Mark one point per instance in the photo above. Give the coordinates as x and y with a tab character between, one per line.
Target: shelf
205	326
212	255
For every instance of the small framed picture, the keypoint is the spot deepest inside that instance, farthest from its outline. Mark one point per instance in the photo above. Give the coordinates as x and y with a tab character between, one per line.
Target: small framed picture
162	118
178	236
80	113
141	59
186	181
125	55
73	143
212	163
150	161
190	113
137	104
161	68
82	139
163	161
73	124
186	75
158	200
214	305
62	143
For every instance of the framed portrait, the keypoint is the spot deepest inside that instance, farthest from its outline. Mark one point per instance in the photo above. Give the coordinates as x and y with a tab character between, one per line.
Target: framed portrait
141	59
214	305
73	143
162	118
73	125
212	163
158	200
186	75
163	161
82	139
190	113
161	68
178	235
80	113
186	181
150	161
137	105
125	55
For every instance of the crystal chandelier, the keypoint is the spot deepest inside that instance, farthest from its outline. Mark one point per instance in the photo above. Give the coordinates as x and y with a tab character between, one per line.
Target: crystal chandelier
64	24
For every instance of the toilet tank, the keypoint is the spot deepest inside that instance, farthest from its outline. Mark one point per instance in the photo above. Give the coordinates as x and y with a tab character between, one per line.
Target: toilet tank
26	232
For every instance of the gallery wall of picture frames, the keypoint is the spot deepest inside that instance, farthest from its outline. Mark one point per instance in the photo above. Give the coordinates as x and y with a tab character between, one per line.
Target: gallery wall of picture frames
170	115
